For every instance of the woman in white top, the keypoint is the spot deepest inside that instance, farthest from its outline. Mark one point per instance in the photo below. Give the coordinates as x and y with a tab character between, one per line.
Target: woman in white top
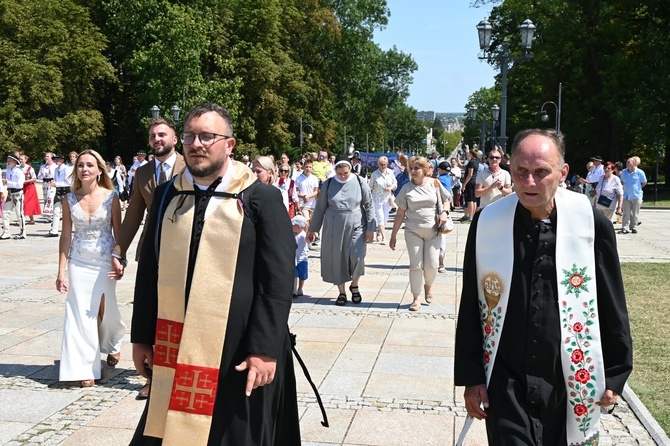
609	193
419	200
382	185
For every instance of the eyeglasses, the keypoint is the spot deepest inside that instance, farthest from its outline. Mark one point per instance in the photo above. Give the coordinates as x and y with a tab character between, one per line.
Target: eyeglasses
491	157
206	139
284	171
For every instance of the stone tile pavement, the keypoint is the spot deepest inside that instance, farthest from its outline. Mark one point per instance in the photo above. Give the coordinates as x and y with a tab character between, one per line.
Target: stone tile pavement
385	374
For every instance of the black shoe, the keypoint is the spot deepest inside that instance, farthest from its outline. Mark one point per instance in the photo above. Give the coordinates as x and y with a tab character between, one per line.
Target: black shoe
634	231
341	300
51	234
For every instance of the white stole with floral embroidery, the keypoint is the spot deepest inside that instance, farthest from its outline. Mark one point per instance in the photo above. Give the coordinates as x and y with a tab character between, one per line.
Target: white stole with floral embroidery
581	356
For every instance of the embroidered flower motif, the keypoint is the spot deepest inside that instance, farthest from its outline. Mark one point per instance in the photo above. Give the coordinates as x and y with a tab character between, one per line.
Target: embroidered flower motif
582	376
487	329
580	410
577	316
575	280
487	357
577	356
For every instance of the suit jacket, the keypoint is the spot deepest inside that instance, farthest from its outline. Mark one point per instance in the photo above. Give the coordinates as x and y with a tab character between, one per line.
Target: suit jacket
144	186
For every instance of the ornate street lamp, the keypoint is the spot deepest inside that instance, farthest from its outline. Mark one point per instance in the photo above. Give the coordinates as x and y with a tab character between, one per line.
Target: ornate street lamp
309	135
495	115
155	112
175	114
485	32
545	117
351	146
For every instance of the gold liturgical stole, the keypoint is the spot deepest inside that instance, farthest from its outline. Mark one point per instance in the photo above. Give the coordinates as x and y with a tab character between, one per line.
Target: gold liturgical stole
189	344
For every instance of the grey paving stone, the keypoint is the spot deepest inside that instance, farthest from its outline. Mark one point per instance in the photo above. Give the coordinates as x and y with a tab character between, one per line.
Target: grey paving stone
29	406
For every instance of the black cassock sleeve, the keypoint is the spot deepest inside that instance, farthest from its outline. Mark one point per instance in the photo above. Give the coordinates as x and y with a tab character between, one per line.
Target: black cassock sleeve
274	271
468	361
617	343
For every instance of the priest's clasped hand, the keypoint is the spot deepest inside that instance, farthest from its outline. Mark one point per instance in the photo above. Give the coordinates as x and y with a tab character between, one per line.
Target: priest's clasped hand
261	371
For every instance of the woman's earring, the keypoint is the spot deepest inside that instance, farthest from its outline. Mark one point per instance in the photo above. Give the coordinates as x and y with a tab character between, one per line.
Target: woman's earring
98	178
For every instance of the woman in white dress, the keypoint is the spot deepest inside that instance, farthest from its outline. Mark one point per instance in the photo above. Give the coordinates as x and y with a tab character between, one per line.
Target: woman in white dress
382	185
92	318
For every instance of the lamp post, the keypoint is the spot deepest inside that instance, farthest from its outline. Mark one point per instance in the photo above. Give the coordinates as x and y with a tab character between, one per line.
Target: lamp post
309	135
495	115
155	112
176	111
473	117
485	31
545	117
351	146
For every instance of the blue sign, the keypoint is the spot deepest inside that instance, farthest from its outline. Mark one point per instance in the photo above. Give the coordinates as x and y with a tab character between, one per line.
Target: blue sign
369	159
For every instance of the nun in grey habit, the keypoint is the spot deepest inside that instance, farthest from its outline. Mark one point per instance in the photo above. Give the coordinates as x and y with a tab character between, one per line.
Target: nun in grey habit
344	209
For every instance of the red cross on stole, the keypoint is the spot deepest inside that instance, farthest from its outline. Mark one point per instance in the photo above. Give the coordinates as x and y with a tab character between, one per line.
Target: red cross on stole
194	389
168	337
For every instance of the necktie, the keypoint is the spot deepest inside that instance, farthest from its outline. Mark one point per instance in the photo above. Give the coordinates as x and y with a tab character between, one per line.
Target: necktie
162	176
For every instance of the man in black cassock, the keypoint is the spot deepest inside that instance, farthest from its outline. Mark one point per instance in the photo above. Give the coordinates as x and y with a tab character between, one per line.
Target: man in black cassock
212	299
525	401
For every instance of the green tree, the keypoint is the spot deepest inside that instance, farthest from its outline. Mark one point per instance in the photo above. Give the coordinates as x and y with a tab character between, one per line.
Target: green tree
50	61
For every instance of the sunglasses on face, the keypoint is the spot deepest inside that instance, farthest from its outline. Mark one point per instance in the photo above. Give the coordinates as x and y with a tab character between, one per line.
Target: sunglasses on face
494	157
284	171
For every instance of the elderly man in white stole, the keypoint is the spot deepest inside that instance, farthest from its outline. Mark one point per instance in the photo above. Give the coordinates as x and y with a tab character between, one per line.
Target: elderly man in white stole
543	339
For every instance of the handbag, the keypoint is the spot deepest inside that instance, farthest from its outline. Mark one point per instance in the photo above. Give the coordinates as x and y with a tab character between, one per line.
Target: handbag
448	225
604	201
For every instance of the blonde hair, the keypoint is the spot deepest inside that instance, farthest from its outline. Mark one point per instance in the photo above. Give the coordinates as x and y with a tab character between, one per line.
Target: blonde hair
589	165
103	179
637	160
267	163
382	159
420	161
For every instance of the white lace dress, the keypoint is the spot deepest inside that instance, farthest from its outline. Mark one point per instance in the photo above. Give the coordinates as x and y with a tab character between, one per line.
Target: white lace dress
85	335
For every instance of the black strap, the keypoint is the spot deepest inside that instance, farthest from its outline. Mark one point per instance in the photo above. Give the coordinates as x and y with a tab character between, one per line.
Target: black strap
324	423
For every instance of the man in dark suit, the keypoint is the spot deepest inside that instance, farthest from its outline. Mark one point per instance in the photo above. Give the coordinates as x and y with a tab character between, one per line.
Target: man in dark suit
167	163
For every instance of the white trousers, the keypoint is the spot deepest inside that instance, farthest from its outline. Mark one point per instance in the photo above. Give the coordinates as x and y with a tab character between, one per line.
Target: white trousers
57	213
423	247
14	203
382	209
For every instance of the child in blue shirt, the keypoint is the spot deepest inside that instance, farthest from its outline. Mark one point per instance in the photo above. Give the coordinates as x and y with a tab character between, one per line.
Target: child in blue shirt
301	259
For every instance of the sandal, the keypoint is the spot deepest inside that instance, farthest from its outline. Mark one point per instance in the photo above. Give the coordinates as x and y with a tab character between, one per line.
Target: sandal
341	299
415	306
355	295
429	298
113	359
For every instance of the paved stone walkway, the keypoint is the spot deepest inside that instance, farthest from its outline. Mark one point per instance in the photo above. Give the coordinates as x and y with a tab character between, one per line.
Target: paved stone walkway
384	374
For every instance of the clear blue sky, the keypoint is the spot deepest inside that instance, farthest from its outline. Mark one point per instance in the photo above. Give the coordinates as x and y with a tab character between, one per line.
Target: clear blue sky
441	36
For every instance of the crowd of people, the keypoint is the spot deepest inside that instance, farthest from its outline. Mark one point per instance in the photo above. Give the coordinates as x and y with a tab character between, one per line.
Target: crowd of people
270	212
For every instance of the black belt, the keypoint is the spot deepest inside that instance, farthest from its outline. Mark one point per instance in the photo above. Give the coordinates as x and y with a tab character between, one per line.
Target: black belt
13	191
47	179
62	190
